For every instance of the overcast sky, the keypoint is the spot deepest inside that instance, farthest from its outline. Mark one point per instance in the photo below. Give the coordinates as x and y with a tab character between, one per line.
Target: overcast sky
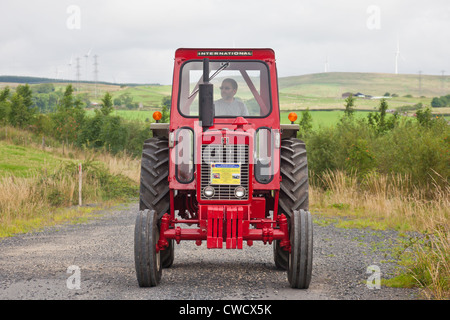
135	40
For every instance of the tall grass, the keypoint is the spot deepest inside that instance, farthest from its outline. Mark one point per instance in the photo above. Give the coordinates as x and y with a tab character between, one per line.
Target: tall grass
431	267
393	201
392	198
33	200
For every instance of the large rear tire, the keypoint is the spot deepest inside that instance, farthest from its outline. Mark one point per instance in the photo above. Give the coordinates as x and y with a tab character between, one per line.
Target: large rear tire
146	256
293	188
301	255
154	190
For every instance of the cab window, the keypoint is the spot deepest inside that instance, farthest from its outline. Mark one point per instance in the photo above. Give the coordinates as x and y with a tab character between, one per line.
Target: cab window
241	88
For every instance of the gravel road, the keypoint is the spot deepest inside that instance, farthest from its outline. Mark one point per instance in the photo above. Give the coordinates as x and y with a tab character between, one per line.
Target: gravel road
47	264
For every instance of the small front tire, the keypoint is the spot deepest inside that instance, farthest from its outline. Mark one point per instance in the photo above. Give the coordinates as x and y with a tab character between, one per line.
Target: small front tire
301	255
147	257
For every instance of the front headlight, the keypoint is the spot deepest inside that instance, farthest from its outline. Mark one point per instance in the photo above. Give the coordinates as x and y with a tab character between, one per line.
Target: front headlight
208	191
239	192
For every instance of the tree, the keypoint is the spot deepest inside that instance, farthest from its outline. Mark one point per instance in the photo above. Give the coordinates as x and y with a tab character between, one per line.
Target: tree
379	121
165	110
5	94
107	104
383	107
349	104
27	95
69	116
167	101
165	115
424	117
441	102
89	133
67	100
5	105
113	134
44	88
22	111
305	122
17	116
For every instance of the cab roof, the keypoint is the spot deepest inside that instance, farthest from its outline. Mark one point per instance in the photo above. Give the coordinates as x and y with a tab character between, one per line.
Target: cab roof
223	53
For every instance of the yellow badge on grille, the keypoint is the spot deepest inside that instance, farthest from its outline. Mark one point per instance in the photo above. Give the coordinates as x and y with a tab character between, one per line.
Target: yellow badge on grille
226	173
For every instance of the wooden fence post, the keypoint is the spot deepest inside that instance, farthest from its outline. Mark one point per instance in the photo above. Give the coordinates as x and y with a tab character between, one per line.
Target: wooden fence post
80	183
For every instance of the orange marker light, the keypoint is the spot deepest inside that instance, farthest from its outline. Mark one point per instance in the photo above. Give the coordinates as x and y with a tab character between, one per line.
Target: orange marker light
157	115
292	116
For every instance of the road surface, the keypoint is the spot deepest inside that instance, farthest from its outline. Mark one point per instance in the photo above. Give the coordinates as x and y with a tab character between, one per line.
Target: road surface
95	261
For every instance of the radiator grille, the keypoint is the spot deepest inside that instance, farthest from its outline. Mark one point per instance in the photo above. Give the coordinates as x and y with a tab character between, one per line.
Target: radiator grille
224	154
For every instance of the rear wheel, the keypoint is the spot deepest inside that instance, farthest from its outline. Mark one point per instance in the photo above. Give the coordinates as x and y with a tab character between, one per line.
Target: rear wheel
146	256
293	188
301	255
154	190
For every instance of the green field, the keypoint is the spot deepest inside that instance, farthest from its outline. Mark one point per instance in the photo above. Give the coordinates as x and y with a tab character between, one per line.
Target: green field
22	161
323	118
149	96
320	118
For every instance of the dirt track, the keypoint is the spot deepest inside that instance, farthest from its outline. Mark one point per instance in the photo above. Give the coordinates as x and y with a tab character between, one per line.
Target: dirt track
35	266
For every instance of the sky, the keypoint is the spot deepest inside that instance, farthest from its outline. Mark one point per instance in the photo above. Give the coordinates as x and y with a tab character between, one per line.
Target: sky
135	40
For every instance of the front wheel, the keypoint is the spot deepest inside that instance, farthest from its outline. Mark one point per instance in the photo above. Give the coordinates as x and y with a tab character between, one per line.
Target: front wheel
294	188
154	189
146	256
301	255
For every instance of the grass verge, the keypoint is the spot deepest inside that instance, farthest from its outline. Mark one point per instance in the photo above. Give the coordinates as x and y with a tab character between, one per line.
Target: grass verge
37	186
390	202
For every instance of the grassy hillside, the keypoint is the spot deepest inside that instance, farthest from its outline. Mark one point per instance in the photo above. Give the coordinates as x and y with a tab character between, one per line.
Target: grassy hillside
149	95
324	90
333	84
23	161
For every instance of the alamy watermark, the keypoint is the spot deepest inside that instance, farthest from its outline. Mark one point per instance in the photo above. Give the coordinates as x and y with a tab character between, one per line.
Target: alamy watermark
374	281
73	21
373	22
74	281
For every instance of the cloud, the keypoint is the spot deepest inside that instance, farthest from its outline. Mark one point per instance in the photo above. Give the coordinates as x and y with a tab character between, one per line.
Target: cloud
135	40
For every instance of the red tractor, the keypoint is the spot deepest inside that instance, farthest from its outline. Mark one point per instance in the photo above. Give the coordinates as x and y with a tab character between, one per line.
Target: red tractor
224	165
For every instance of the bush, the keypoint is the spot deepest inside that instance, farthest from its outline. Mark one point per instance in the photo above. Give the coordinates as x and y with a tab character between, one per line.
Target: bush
113	134
97	182
422	152
322	147
418	151
441	102
360	159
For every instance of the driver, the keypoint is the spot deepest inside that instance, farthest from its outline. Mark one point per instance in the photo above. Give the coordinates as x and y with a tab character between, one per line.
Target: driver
228	105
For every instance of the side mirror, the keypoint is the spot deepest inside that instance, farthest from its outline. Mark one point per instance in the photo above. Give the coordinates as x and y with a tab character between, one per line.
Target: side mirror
206	98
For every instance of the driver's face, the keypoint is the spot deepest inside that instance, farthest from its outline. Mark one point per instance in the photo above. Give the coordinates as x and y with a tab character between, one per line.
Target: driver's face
227	91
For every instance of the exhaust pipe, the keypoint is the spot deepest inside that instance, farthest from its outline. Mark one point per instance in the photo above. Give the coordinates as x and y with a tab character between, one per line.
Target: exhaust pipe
206	99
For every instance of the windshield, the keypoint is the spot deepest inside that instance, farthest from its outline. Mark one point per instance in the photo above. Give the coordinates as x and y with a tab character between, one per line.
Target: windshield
241	88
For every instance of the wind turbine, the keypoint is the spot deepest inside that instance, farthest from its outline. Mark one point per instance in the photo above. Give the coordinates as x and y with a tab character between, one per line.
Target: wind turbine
398	55
327	65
